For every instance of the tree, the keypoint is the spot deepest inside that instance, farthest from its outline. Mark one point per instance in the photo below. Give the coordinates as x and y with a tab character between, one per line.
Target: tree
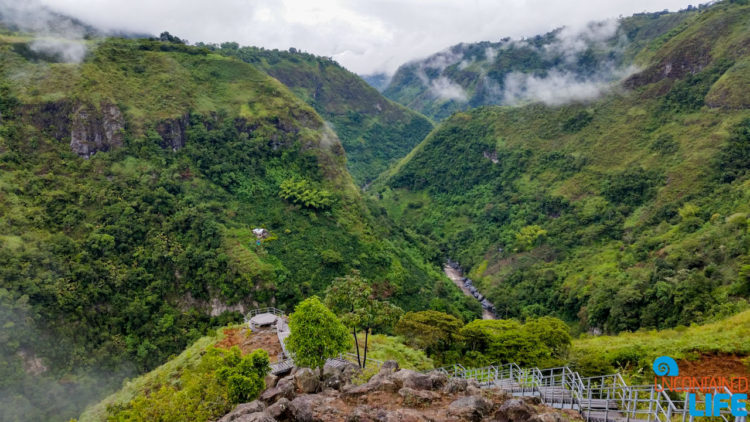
352	299
244	376
316	334
433	331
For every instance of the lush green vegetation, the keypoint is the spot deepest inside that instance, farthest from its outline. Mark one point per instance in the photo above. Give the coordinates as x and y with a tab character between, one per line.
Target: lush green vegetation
541	342
374	131
634	353
352	299
316	334
629	212
118	261
479	71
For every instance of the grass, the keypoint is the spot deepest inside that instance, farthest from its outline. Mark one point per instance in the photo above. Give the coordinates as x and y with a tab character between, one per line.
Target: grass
728	336
168	372
383	348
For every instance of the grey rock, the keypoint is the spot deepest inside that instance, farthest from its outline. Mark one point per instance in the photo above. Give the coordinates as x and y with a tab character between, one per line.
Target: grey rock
302	407
412	379
472	408
389	366
546	417
306	380
280	409
438	380
514	410
172	132
417	398
284	388
243	410
455	385
94	131
271	380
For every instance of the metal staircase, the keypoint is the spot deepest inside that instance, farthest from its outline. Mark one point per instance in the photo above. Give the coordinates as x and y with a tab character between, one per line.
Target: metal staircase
606	398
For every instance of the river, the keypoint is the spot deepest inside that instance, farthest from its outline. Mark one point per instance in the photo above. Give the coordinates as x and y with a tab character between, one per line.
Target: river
458	279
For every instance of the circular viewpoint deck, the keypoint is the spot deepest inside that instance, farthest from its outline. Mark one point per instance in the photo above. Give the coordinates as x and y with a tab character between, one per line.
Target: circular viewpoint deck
263	320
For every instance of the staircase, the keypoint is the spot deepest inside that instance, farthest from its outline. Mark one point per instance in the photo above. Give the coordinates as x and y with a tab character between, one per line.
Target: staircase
606	398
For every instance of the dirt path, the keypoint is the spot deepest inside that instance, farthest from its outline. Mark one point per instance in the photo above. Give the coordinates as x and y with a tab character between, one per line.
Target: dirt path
457	279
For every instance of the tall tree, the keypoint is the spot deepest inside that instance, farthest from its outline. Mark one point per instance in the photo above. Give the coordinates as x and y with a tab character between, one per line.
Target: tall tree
352	299
316	334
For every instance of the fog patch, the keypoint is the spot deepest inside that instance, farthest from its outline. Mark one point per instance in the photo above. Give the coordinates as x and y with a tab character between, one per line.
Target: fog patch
446	89
32	388
56	35
557	87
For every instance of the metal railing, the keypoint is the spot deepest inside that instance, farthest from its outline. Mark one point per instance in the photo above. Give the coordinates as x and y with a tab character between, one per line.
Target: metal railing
351	357
600	398
268	310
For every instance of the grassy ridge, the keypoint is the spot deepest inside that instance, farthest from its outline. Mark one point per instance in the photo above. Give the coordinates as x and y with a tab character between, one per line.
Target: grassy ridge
373	130
120	260
618	214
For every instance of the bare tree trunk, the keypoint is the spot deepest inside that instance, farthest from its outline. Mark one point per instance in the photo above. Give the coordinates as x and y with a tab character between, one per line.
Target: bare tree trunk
364	361
356	343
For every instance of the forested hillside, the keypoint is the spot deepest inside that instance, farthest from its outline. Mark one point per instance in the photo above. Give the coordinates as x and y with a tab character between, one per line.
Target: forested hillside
374	131
130	184
616	214
566	64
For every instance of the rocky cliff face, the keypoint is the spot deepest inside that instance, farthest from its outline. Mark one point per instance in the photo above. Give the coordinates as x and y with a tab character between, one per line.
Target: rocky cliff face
96	130
172	132
390	395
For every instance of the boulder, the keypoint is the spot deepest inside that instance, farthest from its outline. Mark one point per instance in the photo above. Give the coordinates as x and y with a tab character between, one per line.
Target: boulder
284	388
389	366
438	380
455	385
271	380
242	411
256	417
412	379
546	417
306	380
337	377
309	407
473	408
514	410
280	409
417	398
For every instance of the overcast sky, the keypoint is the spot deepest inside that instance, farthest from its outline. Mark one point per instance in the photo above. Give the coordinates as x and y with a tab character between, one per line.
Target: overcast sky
364	36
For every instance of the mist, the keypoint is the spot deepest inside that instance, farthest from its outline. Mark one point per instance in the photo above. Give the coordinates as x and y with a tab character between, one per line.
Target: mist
30	387
565	79
56	36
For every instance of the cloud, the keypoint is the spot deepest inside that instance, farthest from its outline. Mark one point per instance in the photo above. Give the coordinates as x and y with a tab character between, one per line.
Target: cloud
444	88
558	87
366	36
57	36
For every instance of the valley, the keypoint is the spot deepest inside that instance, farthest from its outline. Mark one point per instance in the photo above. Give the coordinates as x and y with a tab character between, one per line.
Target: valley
578	198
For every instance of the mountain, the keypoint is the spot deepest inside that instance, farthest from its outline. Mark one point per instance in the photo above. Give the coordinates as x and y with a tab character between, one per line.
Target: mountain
374	131
131	185
562	65
378	81
624	212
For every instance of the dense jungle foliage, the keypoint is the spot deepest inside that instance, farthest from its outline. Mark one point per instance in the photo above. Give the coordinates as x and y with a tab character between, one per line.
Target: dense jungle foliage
470	75
625	213
109	265
374	131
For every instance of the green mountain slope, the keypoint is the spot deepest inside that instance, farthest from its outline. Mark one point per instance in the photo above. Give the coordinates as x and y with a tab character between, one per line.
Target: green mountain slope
129	187
562	65
627	212
374	131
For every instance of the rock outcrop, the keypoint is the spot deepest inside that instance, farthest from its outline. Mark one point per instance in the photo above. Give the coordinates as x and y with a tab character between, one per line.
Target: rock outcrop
390	395
96	130
172	132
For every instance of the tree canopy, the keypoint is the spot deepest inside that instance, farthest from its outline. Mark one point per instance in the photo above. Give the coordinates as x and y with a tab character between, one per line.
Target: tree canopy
316	334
